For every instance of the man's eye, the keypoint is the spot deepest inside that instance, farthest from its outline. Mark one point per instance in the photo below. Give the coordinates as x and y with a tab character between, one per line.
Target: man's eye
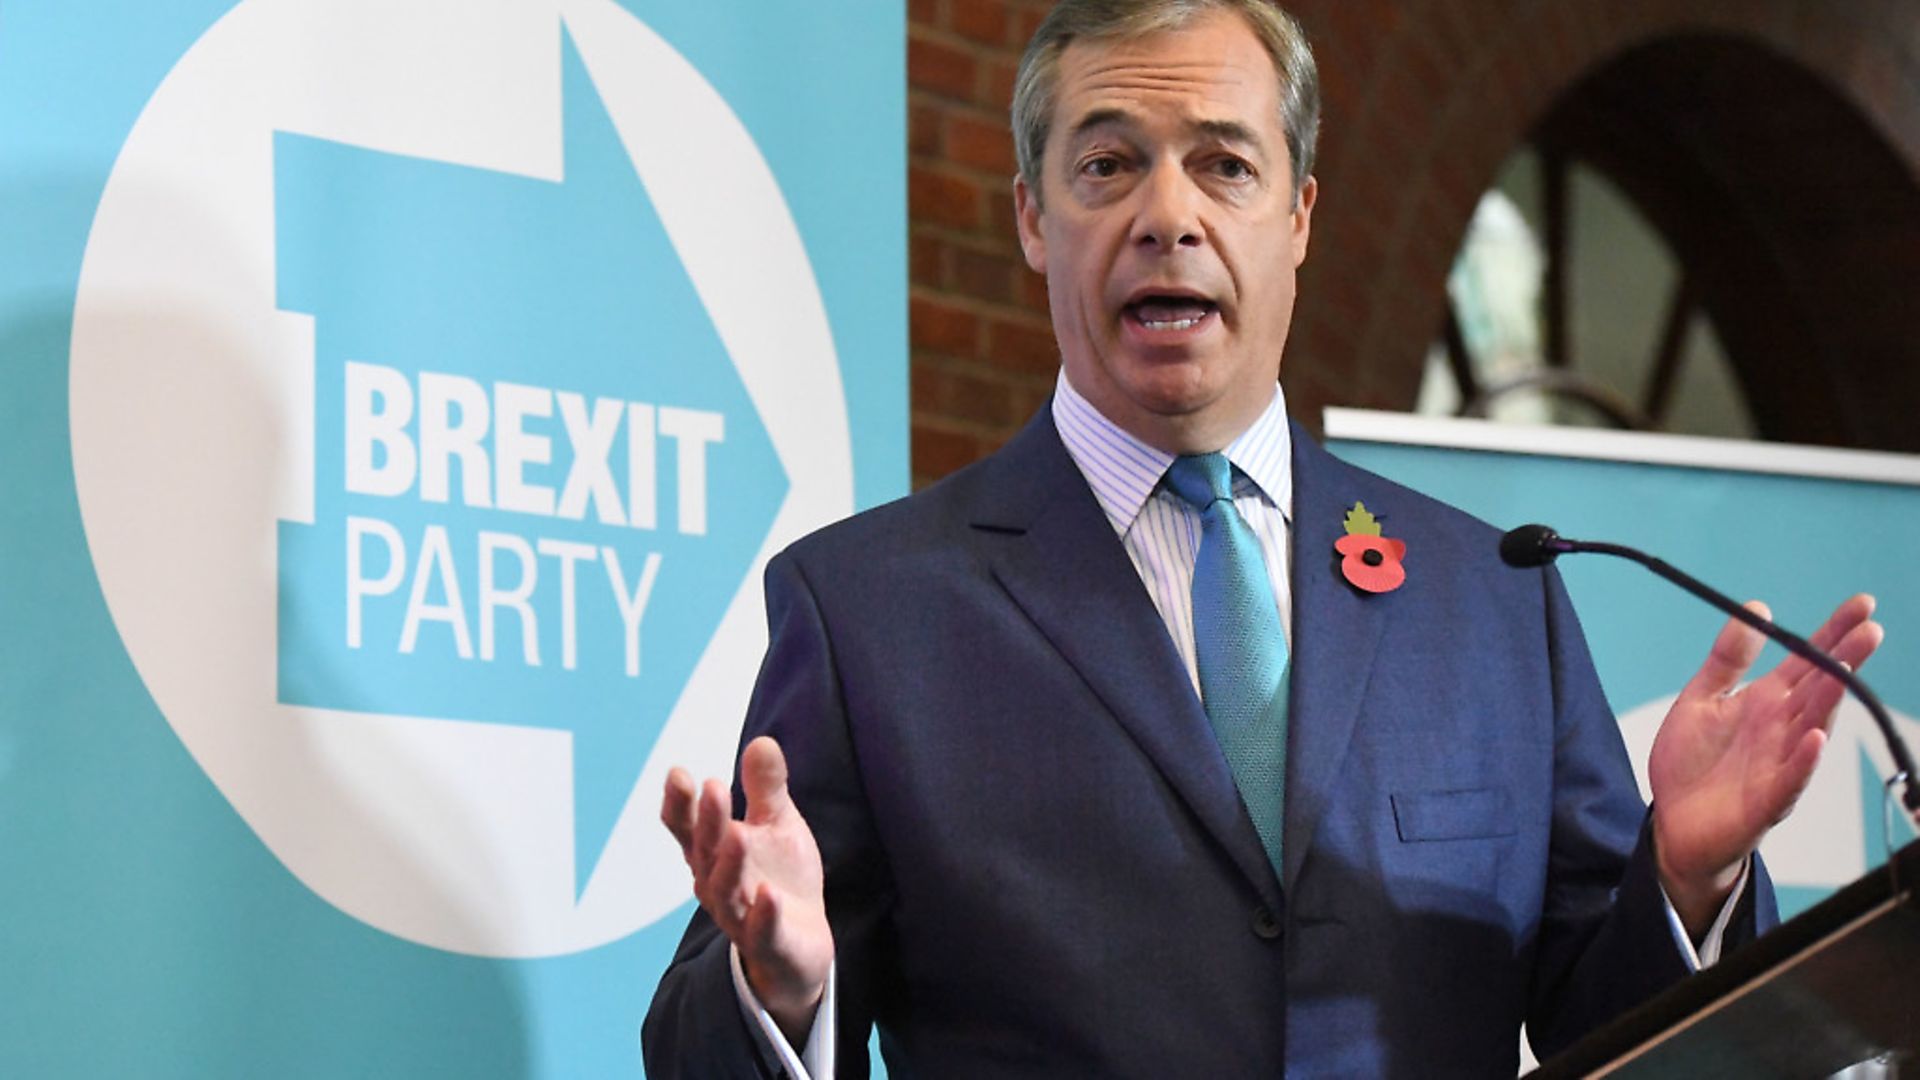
1101	168
1234	169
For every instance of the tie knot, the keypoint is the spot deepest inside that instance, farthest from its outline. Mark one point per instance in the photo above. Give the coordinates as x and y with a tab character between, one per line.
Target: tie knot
1201	479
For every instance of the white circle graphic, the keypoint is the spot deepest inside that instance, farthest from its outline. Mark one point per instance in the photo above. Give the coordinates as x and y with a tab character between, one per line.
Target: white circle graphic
192	408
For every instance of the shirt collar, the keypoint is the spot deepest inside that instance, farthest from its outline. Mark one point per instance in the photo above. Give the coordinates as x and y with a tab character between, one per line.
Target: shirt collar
1123	470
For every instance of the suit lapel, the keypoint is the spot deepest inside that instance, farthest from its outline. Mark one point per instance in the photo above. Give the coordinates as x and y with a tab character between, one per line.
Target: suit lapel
1052	548
1336	629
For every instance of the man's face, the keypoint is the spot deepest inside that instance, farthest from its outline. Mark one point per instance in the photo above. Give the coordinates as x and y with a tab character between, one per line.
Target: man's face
1169	234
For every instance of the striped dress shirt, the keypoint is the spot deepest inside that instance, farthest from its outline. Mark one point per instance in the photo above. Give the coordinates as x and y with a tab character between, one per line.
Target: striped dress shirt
1160	530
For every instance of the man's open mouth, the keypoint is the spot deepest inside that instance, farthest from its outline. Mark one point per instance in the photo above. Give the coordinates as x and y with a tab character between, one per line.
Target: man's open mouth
1162	313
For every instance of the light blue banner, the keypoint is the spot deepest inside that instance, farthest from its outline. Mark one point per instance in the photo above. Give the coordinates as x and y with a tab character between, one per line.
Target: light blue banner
398	403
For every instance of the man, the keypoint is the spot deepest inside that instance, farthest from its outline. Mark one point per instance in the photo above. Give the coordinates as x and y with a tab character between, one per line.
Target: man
1031	784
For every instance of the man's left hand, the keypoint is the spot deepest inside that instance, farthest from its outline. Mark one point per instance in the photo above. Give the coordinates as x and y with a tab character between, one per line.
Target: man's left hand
1730	761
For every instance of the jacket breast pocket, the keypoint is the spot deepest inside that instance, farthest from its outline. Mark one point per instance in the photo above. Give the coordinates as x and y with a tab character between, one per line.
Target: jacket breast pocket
1465	814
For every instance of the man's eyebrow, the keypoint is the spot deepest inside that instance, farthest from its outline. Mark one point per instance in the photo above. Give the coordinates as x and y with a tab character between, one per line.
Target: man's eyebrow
1228	131
1232	131
1100	118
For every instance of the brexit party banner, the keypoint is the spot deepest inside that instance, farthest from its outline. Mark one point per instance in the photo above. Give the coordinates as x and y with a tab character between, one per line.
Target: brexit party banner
1801	528
401	402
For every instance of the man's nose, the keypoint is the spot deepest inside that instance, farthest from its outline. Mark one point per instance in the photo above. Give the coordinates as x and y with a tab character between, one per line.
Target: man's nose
1169	212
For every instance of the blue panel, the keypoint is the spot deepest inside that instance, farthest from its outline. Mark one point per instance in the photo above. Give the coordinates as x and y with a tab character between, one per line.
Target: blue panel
144	928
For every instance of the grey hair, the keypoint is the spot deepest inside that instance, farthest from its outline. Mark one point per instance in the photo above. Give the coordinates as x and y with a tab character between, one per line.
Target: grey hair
1070	20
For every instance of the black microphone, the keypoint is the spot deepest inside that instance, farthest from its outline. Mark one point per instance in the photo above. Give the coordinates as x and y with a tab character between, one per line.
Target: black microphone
1531	545
1538	545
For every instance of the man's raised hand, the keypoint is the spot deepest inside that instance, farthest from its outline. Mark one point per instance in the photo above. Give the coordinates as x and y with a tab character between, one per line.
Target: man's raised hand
1730	761
760	880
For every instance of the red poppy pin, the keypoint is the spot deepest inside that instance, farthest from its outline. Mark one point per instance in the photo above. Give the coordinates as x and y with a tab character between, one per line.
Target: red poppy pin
1372	561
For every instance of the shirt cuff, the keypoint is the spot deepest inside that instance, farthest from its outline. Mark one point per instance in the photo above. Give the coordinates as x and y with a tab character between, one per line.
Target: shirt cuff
816	1058
1708	952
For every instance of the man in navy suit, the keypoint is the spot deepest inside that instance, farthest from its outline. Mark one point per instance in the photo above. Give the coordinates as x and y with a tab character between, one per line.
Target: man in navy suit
983	803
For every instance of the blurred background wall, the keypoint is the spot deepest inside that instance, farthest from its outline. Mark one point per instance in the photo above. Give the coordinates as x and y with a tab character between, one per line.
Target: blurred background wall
1658	214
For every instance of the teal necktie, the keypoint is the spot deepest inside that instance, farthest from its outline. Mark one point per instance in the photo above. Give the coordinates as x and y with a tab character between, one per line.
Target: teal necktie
1238	642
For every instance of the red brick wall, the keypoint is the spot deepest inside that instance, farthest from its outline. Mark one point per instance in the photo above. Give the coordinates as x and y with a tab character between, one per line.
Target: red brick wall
983	355
1424	100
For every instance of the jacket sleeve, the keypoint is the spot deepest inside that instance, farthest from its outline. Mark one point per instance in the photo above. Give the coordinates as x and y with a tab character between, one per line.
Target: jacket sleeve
694	1027
1605	942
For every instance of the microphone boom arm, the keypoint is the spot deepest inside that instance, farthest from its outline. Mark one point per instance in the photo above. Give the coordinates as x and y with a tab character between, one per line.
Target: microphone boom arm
1905	773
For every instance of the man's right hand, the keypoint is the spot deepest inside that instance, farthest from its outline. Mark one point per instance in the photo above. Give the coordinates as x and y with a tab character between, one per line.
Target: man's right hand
760	880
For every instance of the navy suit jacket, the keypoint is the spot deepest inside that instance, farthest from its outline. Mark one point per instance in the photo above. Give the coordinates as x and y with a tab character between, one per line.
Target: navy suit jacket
1037	862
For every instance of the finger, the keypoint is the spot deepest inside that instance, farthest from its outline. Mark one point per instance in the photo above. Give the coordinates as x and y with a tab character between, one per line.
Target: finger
1848	617
677	808
727	890
1816	702
763	774
1860	644
1817	695
1853	611
709	825
1734	651
760	931
1852	650
1795	773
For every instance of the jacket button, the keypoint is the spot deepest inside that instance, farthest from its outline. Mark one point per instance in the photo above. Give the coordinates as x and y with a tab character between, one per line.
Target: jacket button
1265	926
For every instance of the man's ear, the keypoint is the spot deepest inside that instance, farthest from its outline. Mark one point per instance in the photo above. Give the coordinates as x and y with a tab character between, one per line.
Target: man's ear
1303	219
1026	217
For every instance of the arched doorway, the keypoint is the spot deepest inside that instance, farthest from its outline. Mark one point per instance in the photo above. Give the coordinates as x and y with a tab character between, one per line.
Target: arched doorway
1793	231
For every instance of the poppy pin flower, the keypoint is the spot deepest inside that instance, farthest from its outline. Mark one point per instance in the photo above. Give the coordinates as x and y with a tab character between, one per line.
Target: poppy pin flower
1372	561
